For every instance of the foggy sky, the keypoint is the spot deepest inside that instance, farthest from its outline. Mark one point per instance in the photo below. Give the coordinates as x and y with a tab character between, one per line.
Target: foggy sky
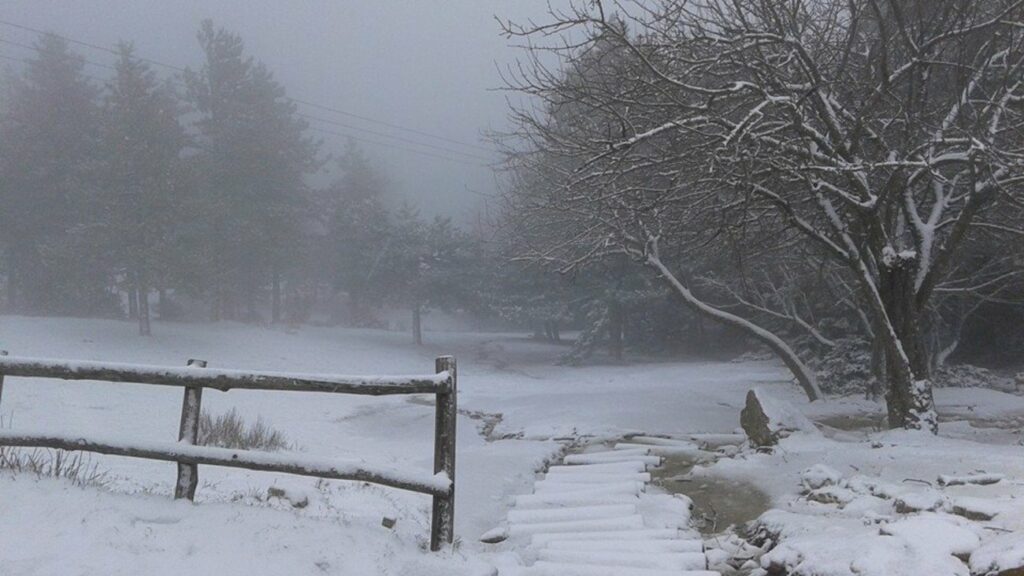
425	64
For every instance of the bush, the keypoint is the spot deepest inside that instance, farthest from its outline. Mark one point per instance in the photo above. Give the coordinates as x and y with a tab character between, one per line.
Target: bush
229	431
970	376
846	368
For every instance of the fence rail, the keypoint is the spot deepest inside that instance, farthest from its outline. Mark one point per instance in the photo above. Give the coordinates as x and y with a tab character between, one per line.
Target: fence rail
195	377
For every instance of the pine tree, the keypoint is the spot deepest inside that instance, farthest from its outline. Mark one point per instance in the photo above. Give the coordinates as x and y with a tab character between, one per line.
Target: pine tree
140	199
48	152
360	235
254	158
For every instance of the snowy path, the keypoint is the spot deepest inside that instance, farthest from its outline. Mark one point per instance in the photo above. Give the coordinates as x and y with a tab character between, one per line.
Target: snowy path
592	516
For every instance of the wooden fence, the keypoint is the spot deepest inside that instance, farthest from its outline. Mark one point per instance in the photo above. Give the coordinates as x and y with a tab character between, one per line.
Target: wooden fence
195	377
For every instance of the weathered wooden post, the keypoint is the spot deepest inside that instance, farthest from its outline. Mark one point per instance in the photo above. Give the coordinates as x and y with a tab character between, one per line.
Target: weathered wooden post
188	432
2	353
442	519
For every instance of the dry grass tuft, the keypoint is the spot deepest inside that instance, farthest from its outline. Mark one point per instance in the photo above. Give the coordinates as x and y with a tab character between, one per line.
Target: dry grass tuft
229	431
45	463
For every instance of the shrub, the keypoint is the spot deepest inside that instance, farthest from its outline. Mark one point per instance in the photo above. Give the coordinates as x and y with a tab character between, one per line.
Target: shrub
846	368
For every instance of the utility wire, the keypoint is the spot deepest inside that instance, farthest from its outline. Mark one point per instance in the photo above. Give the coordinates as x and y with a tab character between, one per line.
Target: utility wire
466	160
325	108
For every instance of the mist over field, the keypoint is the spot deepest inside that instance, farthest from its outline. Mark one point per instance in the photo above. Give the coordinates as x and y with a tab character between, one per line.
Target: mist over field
482	288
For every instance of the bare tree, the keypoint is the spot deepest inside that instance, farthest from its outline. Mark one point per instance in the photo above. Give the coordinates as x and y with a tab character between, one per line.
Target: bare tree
881	133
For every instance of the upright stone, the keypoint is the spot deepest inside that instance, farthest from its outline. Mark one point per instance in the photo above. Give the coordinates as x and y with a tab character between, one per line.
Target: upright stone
766	420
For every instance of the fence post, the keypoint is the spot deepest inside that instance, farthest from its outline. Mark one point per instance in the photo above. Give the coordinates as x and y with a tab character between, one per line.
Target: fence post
188	432
442	519
2	353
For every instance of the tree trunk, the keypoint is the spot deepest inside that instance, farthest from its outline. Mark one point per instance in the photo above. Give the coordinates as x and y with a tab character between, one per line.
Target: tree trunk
615	323
216	307
417	328
250	304
909	401
275	299
796	366
143	305
12	285
133	295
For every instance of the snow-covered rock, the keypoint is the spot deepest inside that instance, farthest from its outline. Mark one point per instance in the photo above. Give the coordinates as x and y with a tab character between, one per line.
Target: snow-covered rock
766	419
819	476
1001	556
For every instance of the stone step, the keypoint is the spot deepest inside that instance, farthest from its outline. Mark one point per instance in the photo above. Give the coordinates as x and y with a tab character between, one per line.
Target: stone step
612	457
562	569
566	514
601	468
626	545
628	487
571	499
643	534
657	560
597	478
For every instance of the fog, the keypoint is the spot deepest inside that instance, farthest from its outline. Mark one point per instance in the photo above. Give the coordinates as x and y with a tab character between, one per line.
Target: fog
427	66
574	242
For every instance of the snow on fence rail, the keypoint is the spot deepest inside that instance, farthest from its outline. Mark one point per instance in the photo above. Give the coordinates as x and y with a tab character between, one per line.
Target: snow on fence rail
195	376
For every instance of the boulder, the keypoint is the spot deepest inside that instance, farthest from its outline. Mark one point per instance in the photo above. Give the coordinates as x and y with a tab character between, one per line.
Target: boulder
1000	556
766	420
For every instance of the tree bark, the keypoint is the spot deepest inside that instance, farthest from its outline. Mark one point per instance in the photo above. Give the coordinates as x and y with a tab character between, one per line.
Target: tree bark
909	401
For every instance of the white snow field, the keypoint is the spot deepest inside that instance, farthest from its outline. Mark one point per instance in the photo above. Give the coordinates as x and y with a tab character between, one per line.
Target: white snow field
132	525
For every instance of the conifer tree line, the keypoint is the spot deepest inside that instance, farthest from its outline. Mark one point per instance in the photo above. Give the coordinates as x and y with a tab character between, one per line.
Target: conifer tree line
133	189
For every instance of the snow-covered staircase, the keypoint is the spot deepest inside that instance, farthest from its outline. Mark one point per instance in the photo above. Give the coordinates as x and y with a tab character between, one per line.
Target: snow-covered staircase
593	516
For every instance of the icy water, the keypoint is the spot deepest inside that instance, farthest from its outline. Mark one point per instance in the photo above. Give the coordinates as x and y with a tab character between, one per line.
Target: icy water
718	503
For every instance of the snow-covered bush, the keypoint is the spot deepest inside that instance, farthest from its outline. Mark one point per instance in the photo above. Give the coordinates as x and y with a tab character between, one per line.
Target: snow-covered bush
970	376
846	368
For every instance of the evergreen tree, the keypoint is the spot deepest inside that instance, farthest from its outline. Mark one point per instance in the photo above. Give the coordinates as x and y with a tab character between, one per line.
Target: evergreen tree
140	199
255	155
431	265
360	235
48	151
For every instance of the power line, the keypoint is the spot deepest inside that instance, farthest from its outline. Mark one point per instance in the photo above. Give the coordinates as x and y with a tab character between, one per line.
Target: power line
390	125
30	47
399	138
295	100
303	115
395	146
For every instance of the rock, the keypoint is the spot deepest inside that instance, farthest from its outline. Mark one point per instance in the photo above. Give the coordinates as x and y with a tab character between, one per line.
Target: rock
832	495
924	501
766	420
977	508
819	476
978	479
1000	556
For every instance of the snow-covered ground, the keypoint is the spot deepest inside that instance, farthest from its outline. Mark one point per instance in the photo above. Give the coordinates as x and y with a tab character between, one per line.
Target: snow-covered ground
51	528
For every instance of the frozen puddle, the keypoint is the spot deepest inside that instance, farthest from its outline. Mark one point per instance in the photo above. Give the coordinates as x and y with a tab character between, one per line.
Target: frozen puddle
592	515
